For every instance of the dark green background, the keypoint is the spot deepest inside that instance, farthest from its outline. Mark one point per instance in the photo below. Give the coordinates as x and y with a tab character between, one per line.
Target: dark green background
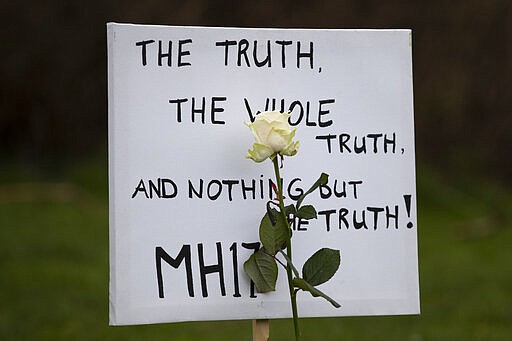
53	165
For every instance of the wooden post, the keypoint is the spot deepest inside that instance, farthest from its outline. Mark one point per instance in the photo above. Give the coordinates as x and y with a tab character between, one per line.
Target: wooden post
260	330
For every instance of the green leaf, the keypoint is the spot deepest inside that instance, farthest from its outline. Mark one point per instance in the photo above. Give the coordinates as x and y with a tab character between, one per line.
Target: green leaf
274	237
302	284
306	212
322	180
290	209
262	269
272	213
321	266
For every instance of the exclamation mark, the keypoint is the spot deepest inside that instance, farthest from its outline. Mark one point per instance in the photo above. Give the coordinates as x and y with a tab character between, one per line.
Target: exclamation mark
407	199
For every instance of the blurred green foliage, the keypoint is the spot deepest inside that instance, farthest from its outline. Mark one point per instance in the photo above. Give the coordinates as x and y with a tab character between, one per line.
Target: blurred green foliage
54	266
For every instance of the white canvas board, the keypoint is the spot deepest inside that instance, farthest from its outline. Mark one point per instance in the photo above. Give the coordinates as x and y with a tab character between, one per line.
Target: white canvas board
351	99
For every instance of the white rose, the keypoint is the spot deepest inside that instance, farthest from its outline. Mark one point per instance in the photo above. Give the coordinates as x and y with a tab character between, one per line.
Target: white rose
273	135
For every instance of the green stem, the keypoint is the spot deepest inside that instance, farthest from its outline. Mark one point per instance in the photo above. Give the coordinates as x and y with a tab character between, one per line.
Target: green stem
293	296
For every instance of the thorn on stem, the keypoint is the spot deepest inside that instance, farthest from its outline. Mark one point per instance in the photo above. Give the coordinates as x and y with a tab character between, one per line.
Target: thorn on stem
274	187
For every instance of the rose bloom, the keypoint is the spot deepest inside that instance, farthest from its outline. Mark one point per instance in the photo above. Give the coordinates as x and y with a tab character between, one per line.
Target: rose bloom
273	135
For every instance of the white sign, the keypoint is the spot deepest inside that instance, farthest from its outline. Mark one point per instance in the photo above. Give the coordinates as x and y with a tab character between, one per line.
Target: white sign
185	203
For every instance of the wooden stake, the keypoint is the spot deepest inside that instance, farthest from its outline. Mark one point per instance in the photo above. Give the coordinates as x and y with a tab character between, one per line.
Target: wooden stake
260	330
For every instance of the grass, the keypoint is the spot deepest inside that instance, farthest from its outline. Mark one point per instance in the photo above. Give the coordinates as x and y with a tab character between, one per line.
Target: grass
54	267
